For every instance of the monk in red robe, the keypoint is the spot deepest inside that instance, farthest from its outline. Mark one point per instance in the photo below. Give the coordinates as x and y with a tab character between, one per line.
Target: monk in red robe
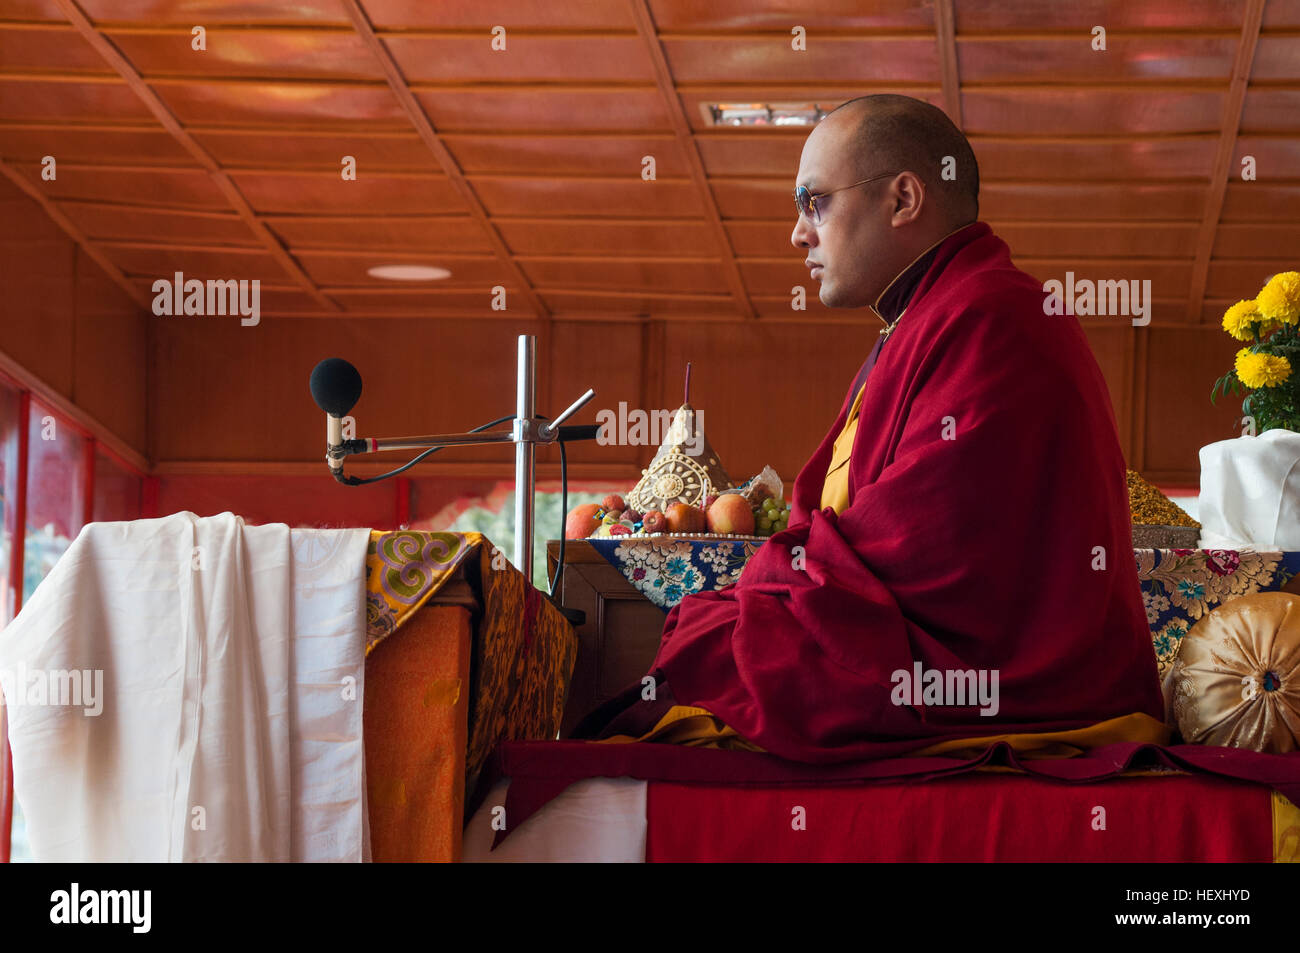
958	564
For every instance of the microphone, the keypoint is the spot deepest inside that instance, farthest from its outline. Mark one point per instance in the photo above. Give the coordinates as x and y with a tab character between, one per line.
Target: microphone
336	388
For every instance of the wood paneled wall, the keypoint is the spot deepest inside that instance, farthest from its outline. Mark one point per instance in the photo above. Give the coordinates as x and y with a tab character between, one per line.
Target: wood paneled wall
68	325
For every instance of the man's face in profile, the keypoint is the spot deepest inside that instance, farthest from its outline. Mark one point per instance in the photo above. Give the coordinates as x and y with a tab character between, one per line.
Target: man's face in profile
847	250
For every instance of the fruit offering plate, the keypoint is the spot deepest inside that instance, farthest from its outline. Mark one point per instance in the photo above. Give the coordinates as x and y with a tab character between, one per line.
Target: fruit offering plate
667	567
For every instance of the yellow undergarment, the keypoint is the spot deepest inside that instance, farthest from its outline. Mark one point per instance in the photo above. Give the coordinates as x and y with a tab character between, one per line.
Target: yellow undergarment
835	491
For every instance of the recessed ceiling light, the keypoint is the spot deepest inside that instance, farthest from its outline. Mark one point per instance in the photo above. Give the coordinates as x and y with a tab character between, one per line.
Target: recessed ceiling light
409	272
763	114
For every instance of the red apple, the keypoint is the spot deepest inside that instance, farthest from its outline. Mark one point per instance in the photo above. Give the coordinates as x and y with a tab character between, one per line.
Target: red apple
613	503
654	522
731	514
582	521
684	518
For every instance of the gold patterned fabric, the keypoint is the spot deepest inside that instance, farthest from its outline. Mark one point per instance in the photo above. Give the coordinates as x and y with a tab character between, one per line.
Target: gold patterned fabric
1236	679
523	649
1286	830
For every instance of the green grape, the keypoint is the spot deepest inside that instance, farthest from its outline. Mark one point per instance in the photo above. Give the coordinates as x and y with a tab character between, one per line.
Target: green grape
765	524
769	505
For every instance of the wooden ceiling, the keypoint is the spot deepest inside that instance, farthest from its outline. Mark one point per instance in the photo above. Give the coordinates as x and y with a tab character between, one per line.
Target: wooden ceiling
523	168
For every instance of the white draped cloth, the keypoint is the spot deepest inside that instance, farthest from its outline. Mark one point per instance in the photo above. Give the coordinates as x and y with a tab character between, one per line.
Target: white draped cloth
190	689
1250	493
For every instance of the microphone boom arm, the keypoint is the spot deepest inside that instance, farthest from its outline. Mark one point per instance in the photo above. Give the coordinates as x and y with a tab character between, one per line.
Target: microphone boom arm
527	431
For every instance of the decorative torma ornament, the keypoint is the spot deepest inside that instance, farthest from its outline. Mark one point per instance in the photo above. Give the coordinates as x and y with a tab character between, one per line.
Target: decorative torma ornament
675	475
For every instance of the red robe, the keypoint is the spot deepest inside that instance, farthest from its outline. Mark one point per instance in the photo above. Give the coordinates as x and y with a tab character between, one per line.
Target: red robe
1007	546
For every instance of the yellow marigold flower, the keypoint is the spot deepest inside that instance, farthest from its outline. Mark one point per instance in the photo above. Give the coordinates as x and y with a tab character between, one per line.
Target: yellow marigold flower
1239	320
1261	370
1280	299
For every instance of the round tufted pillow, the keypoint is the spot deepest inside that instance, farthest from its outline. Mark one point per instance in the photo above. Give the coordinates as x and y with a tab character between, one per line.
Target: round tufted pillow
1236	680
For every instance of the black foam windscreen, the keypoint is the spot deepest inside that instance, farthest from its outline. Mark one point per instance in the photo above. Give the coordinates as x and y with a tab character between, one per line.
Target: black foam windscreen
335	386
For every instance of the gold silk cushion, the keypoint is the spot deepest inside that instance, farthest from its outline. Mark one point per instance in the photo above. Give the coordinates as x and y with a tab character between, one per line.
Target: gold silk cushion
1236	680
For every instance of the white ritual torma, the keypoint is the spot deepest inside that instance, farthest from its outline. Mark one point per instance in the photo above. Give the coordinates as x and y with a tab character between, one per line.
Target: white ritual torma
232	661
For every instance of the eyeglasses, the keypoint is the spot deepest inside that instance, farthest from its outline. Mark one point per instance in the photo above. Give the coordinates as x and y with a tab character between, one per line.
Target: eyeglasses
806	201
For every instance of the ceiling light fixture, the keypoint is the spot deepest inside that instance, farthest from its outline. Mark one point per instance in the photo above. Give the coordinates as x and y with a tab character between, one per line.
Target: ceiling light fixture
763	114
409	272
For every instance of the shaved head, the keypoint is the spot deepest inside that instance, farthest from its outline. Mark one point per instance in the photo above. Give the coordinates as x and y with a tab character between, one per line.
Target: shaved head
905	134
881	179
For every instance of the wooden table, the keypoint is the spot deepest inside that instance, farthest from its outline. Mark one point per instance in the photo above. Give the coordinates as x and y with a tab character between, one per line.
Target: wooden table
620	637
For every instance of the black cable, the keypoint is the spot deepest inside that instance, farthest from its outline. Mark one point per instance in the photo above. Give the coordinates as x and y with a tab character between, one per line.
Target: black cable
357	481
564	509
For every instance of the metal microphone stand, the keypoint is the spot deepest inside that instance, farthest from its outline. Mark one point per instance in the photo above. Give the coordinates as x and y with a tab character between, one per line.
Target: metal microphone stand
526	433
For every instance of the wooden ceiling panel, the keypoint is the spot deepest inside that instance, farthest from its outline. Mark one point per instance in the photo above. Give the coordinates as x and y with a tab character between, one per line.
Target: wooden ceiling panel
829	17
59	49
166	188
685	275
778	307
275	103
545	109
404	233
588	197
1090	202
1256	241
273	300
630	237
35	99
92	143
1083	160
1275	156
1071	59
103	221
1261	202
348	269
242	53
696	100
1035	239
635	303
1232	279
1169	278
733	152
600	155
303	150
1095	112
272	192
588	58
417	301
762	239
32	10
1280	14
775	277
1271	110
515	15
162	261
770	59
187	13
1136	239
1000	16
1275	58
755	198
